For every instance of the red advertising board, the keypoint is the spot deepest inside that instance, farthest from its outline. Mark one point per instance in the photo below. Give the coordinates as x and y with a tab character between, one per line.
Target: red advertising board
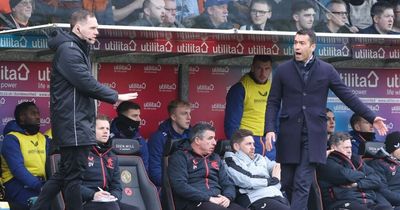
24	81
208	86
156	85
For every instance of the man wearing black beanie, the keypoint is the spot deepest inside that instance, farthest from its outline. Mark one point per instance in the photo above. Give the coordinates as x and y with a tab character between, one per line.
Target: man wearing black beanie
21	11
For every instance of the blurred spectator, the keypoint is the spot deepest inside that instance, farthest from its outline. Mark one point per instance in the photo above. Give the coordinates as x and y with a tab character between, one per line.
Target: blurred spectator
281	10
260	12
346	181
330	123
215	16
303	14
23	156
362	132
126	125
5	7
170	15
60	11
338	20
239	12
153	13
360	12
177	126
101	187
21	11
396	25
383	17
186	11
256	177
126	11
388	168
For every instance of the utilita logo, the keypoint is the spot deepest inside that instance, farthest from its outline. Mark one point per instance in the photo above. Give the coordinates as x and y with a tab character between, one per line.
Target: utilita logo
195	105
218	107
122	68
166	87
6	120
152	69
220	70
20	74
137	86
205	88
152	105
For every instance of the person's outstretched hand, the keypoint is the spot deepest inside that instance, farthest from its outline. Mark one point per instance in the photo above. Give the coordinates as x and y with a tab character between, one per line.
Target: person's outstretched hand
379	125
127	96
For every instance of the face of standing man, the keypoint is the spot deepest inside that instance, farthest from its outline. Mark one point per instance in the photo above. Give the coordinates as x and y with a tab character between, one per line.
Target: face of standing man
303	47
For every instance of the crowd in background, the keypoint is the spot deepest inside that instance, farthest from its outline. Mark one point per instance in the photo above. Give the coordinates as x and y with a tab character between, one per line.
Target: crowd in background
332	16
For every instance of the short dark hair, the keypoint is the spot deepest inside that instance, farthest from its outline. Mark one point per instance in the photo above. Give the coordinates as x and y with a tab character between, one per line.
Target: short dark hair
299	6
262	58
21	108
338	137
175	103
199	129
239	135
79	15
332	2
379	7
310	33
267	2
328	110
125	106
355	118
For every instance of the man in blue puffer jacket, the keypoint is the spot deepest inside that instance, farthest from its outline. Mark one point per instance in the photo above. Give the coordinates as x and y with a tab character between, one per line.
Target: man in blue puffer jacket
175	127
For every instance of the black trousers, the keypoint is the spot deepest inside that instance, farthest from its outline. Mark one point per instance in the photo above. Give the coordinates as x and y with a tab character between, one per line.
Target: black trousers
297	179
72	166
212	206
274	203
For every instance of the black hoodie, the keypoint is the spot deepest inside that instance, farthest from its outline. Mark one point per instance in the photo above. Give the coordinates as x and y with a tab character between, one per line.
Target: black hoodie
73	90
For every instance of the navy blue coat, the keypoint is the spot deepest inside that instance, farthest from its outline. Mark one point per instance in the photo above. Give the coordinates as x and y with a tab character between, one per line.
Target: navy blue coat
301	102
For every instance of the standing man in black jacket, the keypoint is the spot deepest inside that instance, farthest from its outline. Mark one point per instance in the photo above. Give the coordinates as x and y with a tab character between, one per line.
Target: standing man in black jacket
72	107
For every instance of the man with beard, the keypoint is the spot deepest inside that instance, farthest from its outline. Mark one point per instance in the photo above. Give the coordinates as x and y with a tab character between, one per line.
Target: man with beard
362	132
246	103
126	125
153	13
215	16
303	15
23	156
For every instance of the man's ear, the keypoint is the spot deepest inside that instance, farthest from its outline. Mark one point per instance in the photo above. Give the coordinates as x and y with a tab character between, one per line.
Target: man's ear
376	18
295	17
236	147
146	11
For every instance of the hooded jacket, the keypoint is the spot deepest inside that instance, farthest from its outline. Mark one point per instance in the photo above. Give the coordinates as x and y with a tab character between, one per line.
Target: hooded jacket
73	90
196	178
339	172
388	170
252	177
156	148
144	151
102	171
25	180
